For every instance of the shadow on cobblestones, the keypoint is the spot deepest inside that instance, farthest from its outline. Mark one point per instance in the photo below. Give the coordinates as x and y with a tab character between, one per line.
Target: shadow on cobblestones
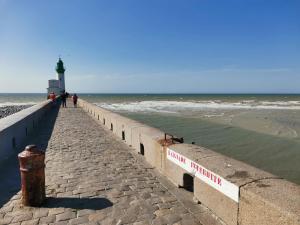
78	203
9	169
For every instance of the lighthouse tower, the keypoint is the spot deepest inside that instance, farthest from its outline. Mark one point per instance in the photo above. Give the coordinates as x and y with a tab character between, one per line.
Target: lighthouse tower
57	86
60	70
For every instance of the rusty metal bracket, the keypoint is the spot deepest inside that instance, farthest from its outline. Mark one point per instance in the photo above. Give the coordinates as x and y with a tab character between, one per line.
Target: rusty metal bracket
174	139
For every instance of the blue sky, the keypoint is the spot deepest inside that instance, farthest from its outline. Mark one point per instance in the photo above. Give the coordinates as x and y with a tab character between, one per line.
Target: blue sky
157	46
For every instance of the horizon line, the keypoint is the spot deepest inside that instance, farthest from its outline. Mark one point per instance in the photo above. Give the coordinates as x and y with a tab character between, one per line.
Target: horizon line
170	93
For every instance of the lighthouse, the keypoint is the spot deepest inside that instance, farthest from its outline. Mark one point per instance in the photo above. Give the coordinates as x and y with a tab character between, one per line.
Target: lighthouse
60	70
58	85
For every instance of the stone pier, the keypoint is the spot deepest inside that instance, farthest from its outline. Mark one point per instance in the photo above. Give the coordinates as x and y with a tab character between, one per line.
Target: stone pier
92	177
104	168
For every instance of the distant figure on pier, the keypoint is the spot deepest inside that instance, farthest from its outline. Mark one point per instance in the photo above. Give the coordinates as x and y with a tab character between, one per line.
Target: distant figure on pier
64	99
52	96
75	97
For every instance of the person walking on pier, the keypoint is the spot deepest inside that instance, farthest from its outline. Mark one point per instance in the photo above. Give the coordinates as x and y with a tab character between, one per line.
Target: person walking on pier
75	97
64	99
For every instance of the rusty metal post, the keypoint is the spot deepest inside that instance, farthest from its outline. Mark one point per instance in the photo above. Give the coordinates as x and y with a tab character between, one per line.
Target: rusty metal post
32	168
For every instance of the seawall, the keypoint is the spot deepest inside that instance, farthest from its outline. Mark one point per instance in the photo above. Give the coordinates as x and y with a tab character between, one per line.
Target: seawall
235	192
15	128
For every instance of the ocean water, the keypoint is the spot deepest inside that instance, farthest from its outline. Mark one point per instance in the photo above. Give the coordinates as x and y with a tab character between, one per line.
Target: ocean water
8	99
261	130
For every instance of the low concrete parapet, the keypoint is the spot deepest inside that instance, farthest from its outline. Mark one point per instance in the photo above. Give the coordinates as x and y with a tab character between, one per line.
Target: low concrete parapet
234	191
145	141
15	128
124	128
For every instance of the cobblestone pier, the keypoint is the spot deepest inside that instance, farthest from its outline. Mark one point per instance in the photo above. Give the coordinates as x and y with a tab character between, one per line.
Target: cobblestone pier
94	178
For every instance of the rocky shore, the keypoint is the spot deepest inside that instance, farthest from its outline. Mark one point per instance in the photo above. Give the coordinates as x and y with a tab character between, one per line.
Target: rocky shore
8	110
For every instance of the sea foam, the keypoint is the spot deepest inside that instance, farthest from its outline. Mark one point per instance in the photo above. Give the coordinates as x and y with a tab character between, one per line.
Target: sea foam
179	106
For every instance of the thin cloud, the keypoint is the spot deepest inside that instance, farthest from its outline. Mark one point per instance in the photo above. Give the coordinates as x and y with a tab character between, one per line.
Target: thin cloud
82	77
244	70
128	76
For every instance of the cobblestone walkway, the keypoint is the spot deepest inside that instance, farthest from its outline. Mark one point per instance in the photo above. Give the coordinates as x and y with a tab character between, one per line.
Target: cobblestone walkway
94	178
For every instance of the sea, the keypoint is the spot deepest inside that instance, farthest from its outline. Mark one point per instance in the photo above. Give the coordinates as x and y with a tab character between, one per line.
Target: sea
262	130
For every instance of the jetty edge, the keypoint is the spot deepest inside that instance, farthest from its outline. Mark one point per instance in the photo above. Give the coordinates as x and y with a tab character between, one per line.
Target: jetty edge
234	191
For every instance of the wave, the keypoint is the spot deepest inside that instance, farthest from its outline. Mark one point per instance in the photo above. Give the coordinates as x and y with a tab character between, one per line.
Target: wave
179	106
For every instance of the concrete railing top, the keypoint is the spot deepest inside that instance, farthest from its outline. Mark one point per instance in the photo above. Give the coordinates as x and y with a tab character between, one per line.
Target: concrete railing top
281	194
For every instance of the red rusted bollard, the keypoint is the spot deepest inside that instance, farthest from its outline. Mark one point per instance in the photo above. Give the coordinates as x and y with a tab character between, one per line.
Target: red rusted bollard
32	167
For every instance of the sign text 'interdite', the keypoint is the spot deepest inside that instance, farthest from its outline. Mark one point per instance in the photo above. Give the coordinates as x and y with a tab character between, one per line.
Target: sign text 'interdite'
219	183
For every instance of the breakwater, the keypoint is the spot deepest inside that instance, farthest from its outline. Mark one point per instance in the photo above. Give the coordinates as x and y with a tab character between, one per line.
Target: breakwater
235	192
232	191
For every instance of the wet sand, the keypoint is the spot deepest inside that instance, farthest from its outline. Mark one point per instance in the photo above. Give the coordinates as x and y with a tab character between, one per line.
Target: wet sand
279	123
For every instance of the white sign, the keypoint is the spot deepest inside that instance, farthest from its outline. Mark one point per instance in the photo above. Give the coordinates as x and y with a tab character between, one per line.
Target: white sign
214	180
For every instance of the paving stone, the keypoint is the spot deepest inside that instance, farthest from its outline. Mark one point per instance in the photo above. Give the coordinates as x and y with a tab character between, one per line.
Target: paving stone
98	216
84	212
172	218
162	212
40	213
56	211
47	219
65	216
159	221
188	219
169	199
60	223
22	217
6	209
30	222
128	218
6	220
80	220
179	210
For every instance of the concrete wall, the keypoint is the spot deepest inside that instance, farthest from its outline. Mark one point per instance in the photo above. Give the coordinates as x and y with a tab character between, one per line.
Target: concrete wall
15	128
237	193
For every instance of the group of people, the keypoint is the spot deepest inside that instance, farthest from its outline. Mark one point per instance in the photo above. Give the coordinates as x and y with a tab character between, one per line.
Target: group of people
64	95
